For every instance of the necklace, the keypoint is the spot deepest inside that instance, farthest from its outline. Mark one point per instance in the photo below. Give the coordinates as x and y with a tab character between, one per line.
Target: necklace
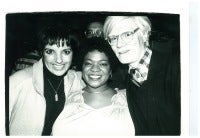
56	91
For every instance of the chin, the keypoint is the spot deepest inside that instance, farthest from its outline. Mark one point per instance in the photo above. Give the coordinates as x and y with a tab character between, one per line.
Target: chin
94	85
59	73
124	61
127	60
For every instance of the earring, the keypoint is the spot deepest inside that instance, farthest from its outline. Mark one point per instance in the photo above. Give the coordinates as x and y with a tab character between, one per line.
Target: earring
110	77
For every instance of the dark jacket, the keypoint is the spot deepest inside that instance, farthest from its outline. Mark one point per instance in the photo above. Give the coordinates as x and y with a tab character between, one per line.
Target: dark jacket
155	106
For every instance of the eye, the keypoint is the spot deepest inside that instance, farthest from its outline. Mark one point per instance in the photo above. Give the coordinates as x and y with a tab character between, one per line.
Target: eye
128	34
67	52
89	32
49	51
112	39
86	63
104	64
99	32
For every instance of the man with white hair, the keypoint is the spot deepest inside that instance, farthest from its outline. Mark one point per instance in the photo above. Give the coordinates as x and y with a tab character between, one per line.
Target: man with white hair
153	83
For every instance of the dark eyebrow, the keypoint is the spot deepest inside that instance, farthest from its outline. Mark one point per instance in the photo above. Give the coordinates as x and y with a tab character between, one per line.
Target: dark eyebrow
67	48
94	60
48	48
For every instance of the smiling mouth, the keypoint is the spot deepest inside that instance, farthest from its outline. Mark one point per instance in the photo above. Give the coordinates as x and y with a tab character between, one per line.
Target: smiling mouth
123	52
95	77
58	66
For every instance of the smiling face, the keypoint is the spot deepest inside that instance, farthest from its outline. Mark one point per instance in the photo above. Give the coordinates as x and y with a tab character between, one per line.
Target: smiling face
57	58
96	69
130	52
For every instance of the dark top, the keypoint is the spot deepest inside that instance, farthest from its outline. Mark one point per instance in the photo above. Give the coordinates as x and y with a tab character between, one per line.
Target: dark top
53	108
155	106
118	77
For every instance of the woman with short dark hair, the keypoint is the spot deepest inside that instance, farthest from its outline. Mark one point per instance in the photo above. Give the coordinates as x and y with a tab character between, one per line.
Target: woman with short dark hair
38	94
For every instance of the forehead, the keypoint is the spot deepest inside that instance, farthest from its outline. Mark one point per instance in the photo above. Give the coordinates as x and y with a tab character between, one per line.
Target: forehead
122	26
96	55
95	25
58	46
59	42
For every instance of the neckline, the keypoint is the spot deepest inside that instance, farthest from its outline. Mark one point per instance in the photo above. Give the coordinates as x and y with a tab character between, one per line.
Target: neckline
92	108
96	92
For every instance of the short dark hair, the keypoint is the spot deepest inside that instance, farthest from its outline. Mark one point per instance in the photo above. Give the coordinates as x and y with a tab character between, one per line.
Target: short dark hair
100	45
52	34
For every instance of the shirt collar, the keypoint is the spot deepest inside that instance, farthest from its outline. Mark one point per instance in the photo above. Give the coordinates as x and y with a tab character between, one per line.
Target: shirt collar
140	73
144	61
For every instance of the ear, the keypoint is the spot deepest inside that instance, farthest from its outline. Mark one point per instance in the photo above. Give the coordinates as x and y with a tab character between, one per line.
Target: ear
41	53
110	77
145	36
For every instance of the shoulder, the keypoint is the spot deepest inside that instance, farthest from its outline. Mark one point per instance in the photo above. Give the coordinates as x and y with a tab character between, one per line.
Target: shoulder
75	97
119	99
22	75
19	77
74	74
170	60
164	61
121	92
75	77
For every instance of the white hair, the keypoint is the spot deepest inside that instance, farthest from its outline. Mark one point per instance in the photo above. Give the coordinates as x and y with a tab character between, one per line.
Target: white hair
142	22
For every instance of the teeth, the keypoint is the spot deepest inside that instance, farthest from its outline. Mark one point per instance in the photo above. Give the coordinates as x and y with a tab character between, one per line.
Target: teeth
58	66
95	76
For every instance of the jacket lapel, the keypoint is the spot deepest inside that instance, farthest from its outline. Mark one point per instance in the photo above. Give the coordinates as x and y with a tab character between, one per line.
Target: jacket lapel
38	77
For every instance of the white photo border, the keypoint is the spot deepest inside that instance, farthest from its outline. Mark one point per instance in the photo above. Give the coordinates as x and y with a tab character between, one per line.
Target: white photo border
177	7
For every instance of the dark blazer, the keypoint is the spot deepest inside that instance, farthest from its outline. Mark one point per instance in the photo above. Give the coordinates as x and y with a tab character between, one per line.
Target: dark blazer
155	106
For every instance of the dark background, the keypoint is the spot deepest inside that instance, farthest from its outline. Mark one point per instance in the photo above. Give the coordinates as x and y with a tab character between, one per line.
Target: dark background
22	28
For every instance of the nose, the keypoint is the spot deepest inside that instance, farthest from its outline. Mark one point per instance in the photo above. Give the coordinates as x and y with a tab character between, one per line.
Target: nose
59	58
94	34
120	42
95	68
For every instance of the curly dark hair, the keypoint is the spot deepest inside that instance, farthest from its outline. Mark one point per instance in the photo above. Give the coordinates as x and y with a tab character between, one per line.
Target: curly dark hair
100	45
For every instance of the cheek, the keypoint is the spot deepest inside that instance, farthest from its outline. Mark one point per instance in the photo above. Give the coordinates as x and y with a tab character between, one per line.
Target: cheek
136	45
85	76
85	70
115	50
67	58
140	42
48	59
106	71
106	76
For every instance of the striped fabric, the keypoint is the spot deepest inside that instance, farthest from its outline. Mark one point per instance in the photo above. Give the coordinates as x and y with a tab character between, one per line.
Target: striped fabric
140	73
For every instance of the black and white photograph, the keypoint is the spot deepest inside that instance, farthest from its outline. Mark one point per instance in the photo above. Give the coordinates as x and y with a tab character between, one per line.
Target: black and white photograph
72	72
95	73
